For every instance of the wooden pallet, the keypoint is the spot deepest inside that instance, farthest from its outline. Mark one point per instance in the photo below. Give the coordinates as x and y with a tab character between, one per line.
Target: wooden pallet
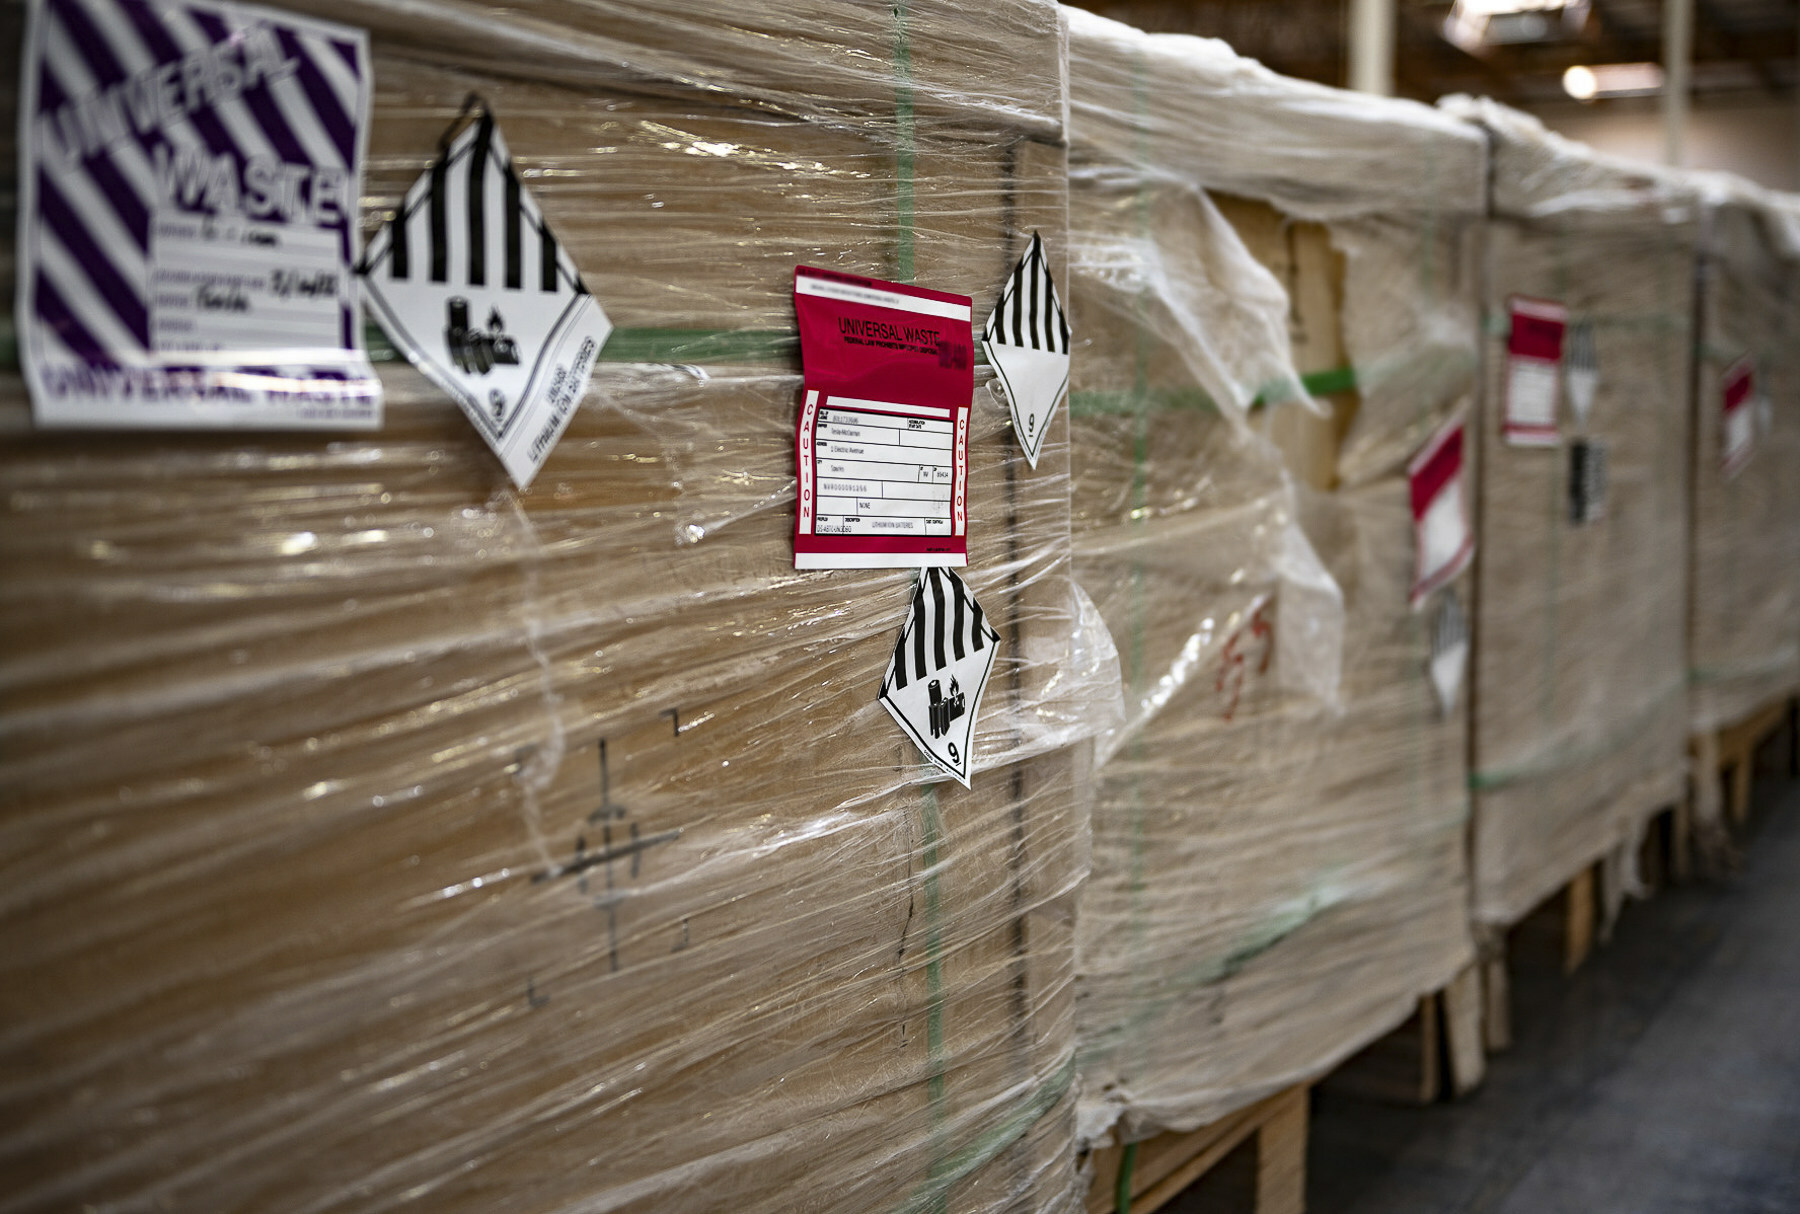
1145	1176
1582	913
1578	914
1437	1053
1725	759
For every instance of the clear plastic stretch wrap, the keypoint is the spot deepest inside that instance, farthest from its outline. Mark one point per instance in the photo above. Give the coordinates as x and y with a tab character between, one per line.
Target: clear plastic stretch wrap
1399	187
1744	630
374	833
1580	633
1274	882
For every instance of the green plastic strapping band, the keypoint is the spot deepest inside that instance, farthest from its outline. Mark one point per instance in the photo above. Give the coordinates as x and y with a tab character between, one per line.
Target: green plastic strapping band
1122	1186
1143	399
1481	781
1327	383
903	146
931	825
1138	922
931	1194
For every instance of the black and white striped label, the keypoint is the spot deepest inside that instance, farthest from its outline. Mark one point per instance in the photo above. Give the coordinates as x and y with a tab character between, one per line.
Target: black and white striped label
939	669
1027	343
470	282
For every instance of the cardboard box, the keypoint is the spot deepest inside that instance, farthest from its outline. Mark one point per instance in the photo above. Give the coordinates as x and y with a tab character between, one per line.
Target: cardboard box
1580	630
1269	891
377	833
1744	624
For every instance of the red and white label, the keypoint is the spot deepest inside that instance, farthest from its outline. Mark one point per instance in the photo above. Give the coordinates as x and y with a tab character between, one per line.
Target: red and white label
1534	354
883	440
1738	414
1440	511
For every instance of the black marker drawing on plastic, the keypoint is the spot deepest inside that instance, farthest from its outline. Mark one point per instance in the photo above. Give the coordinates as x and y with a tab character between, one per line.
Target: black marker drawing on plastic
610	851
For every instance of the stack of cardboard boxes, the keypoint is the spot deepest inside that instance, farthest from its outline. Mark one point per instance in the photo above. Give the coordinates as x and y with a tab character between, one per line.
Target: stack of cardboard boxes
1278	864
376	832
1744	627
1580	706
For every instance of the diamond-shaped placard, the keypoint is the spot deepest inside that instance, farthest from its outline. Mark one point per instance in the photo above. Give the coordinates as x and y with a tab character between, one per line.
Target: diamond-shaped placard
470	283
1027	343
940	667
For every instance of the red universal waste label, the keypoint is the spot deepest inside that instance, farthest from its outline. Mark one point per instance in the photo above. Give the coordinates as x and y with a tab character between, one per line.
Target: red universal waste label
883	440
1534	355
1739	416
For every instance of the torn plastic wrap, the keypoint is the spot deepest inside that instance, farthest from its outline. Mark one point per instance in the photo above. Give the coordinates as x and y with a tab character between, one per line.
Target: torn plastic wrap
1580	655
1264	900
1383	312
374	832
1744	631
1396	189
1275	881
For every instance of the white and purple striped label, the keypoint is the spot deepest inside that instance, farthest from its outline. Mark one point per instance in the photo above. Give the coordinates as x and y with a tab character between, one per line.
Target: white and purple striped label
189	182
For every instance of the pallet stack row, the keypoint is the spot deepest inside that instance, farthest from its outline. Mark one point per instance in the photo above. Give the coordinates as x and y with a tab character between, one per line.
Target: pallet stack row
375	831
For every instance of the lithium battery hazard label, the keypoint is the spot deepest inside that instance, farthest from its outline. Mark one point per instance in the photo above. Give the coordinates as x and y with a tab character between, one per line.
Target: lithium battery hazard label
470	282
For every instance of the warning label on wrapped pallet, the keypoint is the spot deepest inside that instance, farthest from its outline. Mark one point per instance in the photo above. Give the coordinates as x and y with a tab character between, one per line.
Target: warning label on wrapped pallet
189	181
472	285
1738	416
939	670
1534	354
1443	540
1027	343
883	438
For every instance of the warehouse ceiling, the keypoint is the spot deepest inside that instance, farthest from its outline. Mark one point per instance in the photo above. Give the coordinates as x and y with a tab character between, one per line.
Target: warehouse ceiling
1517	50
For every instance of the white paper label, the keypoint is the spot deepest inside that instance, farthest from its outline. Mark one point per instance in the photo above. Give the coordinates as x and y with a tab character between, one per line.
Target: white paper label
1449	652
1531	401
1443	529
1027	343
1442	538
1582	371
190	174
939	670
469	281
1534	358
225	286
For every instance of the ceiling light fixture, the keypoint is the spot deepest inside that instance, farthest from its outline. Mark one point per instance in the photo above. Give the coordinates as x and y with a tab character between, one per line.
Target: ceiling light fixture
1475	25
1613	80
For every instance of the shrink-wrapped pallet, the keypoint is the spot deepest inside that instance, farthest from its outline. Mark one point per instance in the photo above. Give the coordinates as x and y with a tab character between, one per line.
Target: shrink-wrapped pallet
1580	632
1383	307
1277	877
374	832
1744	625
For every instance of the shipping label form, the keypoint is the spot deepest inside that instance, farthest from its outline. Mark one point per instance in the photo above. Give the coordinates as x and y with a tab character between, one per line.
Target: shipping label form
1027	343
1534	354
1443	539
940	667
882	445
1737	416
470	282
189	179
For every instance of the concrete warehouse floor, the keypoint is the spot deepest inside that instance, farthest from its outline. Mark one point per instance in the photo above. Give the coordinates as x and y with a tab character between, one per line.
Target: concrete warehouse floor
1662	1078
